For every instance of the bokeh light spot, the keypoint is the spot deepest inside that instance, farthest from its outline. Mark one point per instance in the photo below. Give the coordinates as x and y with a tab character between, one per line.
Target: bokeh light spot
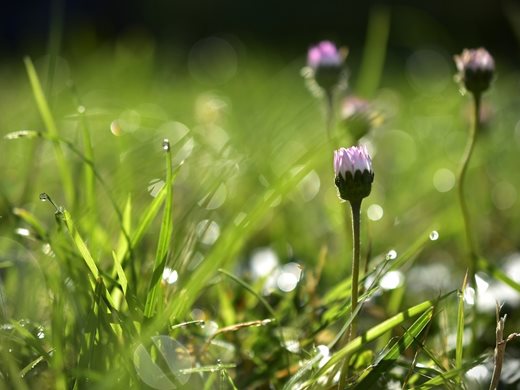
443	180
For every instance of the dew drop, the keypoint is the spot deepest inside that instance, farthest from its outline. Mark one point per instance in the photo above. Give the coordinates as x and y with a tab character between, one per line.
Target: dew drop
166	145
81	109
44	197
391	255
434	235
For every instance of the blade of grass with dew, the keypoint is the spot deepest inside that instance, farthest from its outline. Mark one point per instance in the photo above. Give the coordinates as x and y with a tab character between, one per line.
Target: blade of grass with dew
32	365
12	371
373	333
165	237
50	125
72	148
460	327
385	362
29	338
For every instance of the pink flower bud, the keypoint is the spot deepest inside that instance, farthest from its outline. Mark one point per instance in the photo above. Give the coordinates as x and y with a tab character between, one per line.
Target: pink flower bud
353	172
325	64
325	54
475	69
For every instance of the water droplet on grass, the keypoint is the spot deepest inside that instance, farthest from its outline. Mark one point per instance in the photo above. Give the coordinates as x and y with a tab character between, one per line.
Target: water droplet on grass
391	255
44	197
81	109
166	145
434	235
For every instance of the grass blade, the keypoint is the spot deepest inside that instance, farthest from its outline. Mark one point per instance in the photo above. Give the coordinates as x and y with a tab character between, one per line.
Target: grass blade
386	360
460	327
80	245
50	125
165	236
375	51
498	274
232	239
373	333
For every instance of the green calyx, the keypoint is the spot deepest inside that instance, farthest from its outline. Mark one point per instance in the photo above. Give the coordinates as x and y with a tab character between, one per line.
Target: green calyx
354	187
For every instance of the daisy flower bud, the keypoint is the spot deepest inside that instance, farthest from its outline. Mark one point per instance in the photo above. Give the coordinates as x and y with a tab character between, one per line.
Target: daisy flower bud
353	173
475	70
325	63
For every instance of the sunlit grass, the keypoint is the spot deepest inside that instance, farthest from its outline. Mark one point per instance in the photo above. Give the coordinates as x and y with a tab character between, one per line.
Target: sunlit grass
247	172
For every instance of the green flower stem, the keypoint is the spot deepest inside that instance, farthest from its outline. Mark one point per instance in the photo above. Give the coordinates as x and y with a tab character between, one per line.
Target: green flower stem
355	206
329	116
462	198
356	217
472	252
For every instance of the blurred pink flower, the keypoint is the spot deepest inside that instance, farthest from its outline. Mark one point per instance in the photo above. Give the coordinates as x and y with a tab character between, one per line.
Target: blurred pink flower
326	54
475	69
